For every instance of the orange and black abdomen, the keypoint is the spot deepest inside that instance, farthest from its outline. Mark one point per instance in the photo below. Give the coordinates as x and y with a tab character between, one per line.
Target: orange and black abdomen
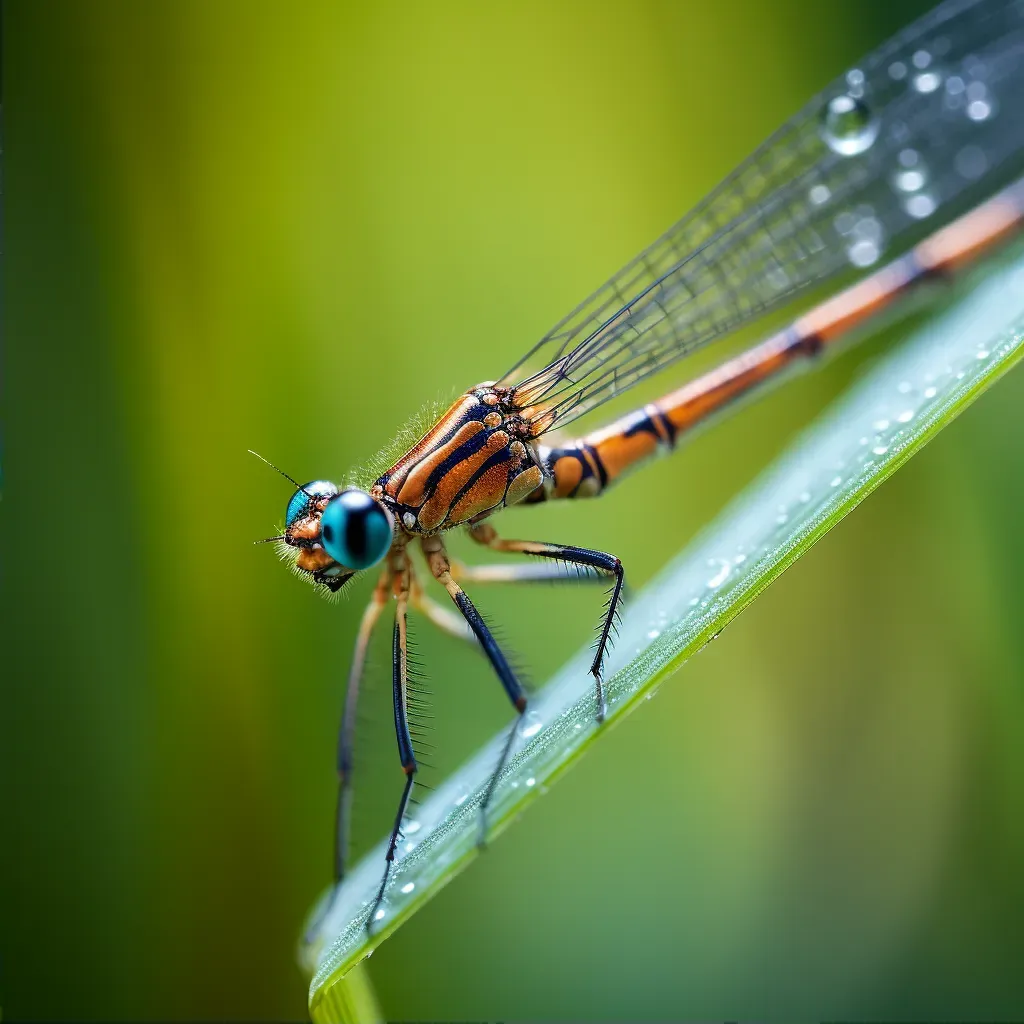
584	468
473	461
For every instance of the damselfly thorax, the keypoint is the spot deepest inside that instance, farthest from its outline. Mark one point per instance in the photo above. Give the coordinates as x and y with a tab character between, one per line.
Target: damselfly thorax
914	154
479	457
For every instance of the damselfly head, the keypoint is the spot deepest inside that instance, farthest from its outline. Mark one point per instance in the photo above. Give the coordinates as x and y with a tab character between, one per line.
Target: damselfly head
336	533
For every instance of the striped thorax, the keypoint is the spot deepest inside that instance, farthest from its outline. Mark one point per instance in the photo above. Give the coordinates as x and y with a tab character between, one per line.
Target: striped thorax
477	458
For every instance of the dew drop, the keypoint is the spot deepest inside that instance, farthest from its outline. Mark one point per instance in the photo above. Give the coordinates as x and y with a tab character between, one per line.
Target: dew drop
898	71
408	887
982	354
531	725
880	449
920	206
906	416
835	481
910	181
904	387
979	110
847	126
819	194
921	59
863	234
881	424
927	81
411	827
805	496
863	253
930	392
379	915
653	634
912	174
720	577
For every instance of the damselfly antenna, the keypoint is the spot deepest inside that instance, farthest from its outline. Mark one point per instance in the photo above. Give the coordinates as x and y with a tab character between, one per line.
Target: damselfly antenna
290	479
270	540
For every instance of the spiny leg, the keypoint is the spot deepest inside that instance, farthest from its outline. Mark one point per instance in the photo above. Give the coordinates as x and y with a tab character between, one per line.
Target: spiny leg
346	731
608	565
440	566
400	694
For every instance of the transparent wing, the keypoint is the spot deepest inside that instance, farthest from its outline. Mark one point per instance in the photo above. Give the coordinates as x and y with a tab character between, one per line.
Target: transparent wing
929	123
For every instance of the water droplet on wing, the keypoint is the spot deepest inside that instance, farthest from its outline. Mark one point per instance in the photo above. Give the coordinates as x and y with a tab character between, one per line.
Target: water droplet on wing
848	127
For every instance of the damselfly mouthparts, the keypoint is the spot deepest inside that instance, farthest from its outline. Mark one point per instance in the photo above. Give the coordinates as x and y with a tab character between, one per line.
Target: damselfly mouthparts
914	155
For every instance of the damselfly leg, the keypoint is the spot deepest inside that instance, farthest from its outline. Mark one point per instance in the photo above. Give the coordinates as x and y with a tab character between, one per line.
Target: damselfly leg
440	566
346	730
399	582
406	591
597	561
445	620
401	699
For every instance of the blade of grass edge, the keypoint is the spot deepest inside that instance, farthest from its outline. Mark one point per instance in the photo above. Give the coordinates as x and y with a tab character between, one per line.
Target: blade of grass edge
349	1000
911	394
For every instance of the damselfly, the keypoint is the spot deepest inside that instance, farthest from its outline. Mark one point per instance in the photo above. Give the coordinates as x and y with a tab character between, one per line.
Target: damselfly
905	153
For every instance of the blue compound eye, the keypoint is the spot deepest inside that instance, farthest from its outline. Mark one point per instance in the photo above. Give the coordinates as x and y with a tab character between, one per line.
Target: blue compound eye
299	506
355	530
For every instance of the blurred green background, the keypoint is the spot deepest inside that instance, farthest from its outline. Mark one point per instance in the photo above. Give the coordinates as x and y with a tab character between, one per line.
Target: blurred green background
286	227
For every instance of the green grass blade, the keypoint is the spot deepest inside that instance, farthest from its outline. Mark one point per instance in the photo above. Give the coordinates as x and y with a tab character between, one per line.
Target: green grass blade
912	393
349	999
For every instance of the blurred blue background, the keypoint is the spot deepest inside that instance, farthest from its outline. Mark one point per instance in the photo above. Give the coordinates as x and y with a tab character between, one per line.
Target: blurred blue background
248	225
